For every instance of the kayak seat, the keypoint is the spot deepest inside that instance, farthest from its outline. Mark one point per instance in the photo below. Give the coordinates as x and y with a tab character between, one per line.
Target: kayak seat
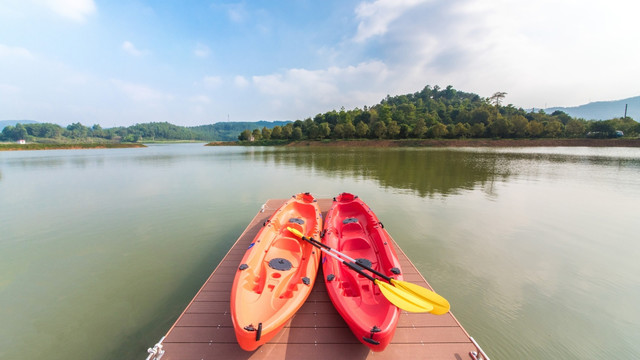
352	229
355	243
287	244
286	248
359	248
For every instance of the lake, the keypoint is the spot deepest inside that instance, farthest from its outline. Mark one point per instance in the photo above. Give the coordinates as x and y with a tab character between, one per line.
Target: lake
535	248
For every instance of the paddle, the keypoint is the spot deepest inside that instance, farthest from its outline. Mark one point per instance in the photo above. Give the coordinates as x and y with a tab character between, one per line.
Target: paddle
440	304
406	296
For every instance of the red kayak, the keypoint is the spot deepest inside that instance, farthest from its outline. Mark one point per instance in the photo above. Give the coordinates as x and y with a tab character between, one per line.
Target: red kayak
353	229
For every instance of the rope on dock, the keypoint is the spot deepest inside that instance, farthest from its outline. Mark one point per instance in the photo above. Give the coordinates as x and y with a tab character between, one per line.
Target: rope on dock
156	352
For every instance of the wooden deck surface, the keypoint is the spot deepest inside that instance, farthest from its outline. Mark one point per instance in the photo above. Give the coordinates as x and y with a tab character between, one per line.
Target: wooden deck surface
204	330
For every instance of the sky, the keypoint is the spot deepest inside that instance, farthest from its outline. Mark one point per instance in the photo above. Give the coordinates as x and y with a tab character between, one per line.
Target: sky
118	63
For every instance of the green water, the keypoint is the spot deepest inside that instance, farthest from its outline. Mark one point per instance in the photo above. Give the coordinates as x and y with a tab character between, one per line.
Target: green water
536	249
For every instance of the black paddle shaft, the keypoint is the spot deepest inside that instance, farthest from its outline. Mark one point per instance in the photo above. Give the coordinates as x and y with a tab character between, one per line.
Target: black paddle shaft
357	269
357	263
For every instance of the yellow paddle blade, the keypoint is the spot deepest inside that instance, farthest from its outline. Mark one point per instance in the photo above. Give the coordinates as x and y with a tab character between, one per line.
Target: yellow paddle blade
295	232
440	304
403	299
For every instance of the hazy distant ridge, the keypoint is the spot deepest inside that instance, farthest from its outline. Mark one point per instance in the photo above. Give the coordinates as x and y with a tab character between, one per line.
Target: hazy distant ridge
4	123
603	110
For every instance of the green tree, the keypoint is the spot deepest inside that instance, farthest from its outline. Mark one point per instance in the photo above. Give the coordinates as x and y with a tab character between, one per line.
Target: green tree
257	134
497	97
296	134
575	128
276	132
325	130
405	131
77	131
314	131
480	115
561	116
438	130
20	132
501	127
419	129
338	131
553	128
534	128
379	129
461	130
519	123
287	131
266	133
362	130
245	135
393	130
384	113
477	130
349	130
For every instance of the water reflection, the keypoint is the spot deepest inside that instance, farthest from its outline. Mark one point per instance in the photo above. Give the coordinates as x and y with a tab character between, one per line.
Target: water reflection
420	171
431	171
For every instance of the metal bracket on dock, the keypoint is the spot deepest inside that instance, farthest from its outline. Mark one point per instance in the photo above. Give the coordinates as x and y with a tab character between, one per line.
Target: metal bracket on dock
480	355
156	352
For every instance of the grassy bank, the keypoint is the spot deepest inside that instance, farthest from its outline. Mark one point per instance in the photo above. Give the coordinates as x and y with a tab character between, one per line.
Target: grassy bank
40	146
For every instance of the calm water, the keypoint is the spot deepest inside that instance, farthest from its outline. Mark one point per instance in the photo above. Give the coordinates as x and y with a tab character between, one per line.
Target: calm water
536	249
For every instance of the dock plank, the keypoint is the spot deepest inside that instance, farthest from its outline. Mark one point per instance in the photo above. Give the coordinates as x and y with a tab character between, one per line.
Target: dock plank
317	331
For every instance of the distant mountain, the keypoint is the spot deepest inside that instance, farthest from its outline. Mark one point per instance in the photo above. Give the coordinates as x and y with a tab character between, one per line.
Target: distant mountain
5	123
229	131
603	110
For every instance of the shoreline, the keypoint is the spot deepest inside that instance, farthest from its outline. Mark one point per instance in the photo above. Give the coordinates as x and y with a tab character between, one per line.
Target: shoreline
38	146
448	143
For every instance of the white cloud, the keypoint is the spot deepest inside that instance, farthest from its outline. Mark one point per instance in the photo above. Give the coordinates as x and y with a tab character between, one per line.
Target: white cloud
202	51
311	91
77	10
237	12
240	81
9	89
212	81
202	99
540	52
141	93
375	17
131	49
14	52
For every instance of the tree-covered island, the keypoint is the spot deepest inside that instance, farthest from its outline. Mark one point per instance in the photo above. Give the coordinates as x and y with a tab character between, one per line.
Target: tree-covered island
435	113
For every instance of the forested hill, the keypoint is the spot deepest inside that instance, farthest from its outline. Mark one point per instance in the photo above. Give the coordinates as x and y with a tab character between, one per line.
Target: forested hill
603	110
434	112
4	123
229	131
160	131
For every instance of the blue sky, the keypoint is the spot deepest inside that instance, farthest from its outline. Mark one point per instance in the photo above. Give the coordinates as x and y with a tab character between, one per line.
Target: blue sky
117	63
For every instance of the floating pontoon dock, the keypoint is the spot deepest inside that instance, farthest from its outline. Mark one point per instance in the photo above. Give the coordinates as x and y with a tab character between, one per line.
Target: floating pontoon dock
205	331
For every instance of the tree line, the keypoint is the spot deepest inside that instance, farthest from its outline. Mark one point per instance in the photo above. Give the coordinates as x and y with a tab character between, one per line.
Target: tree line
442	113
95	133
154	131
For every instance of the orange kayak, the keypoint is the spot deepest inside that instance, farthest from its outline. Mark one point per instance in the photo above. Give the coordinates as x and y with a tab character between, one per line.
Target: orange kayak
277	273
353	229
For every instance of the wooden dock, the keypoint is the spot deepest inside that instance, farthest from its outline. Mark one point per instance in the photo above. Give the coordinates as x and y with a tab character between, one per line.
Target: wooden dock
205	331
